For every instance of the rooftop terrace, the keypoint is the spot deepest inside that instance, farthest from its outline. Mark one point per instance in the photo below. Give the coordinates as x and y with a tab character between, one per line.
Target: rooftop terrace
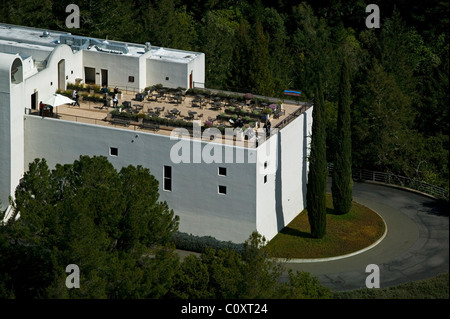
160	111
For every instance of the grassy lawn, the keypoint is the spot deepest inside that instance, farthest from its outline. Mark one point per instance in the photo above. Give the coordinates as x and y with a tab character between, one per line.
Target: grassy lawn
345	234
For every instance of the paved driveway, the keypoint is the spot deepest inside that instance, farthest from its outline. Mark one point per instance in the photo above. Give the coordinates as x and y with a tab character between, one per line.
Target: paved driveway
416	245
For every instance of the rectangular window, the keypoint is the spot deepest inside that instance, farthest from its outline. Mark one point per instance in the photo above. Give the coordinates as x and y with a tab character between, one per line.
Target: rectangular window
167	175
222	171
265	179
222	190
113	151
265	164
131	79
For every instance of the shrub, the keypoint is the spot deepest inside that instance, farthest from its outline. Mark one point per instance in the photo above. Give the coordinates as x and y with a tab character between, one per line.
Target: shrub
199	244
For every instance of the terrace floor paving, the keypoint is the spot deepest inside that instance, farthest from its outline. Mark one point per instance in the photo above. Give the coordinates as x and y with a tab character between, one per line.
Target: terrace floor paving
96	113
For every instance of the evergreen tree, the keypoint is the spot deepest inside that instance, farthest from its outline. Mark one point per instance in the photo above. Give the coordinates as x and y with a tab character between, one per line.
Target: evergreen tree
238	74
317	175
88	214
341	187
259	71
218	50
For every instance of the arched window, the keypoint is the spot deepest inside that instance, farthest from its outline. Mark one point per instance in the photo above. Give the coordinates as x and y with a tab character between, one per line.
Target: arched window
16	72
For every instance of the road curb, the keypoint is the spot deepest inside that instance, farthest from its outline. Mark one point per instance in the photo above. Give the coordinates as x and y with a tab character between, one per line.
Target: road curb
315	260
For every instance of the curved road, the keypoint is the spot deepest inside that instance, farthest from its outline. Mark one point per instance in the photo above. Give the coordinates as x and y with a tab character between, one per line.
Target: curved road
416	245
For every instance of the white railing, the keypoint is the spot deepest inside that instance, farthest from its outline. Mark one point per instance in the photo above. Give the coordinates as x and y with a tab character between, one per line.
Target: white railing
393	179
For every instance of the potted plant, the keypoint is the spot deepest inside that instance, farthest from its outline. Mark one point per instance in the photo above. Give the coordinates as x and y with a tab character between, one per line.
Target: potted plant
140	118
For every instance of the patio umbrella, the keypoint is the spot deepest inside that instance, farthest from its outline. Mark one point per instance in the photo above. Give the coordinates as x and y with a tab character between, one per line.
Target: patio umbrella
58	99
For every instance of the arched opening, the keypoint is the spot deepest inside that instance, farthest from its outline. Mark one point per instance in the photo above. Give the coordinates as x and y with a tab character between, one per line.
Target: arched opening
16	72
62	75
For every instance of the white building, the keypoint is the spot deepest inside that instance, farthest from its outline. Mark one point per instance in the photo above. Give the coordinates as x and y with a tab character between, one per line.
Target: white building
225	199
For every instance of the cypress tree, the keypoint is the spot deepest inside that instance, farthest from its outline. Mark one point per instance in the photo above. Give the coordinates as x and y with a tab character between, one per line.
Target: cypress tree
341	187
317	175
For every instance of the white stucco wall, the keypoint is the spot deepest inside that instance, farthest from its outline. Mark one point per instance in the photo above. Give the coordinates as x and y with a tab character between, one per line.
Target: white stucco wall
194	196
119	67
295	139
45	83
266	219
159	70
11	129
38	52
197	68
283	196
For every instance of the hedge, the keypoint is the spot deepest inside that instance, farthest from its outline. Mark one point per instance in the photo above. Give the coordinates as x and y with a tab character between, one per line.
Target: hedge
189	242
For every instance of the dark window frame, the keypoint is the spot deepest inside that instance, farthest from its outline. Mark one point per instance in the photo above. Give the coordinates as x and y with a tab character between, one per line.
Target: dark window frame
222	190
222	171
114	151
167	178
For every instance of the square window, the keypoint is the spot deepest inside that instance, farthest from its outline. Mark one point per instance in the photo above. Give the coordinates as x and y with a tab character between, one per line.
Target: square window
265	179
113	151
222	171
222	190
167	78
131	79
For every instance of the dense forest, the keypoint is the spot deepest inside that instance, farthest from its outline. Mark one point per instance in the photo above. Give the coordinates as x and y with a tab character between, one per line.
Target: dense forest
399	72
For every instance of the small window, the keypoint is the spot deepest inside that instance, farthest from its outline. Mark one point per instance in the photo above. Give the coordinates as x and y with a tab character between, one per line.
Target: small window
222	190
265	179
131	79
222	171
265	164
167	78
113	151
167	175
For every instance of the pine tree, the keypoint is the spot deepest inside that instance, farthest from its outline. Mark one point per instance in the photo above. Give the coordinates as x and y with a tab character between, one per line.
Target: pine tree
341	187
317	176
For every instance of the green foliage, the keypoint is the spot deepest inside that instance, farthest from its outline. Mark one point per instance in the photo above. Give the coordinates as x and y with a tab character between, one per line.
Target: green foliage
342	183
318	173
88	214
432	288
226	274
302	286
201	244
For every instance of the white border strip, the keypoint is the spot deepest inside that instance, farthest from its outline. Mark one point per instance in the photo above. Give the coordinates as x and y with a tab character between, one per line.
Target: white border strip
315	260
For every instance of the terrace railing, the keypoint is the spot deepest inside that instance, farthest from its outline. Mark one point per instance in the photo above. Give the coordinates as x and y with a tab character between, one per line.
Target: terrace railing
288	119
393	179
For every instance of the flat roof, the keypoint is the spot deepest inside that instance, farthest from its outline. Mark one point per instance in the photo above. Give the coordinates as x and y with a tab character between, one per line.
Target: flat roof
172	55
47	40
12	43
23	34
